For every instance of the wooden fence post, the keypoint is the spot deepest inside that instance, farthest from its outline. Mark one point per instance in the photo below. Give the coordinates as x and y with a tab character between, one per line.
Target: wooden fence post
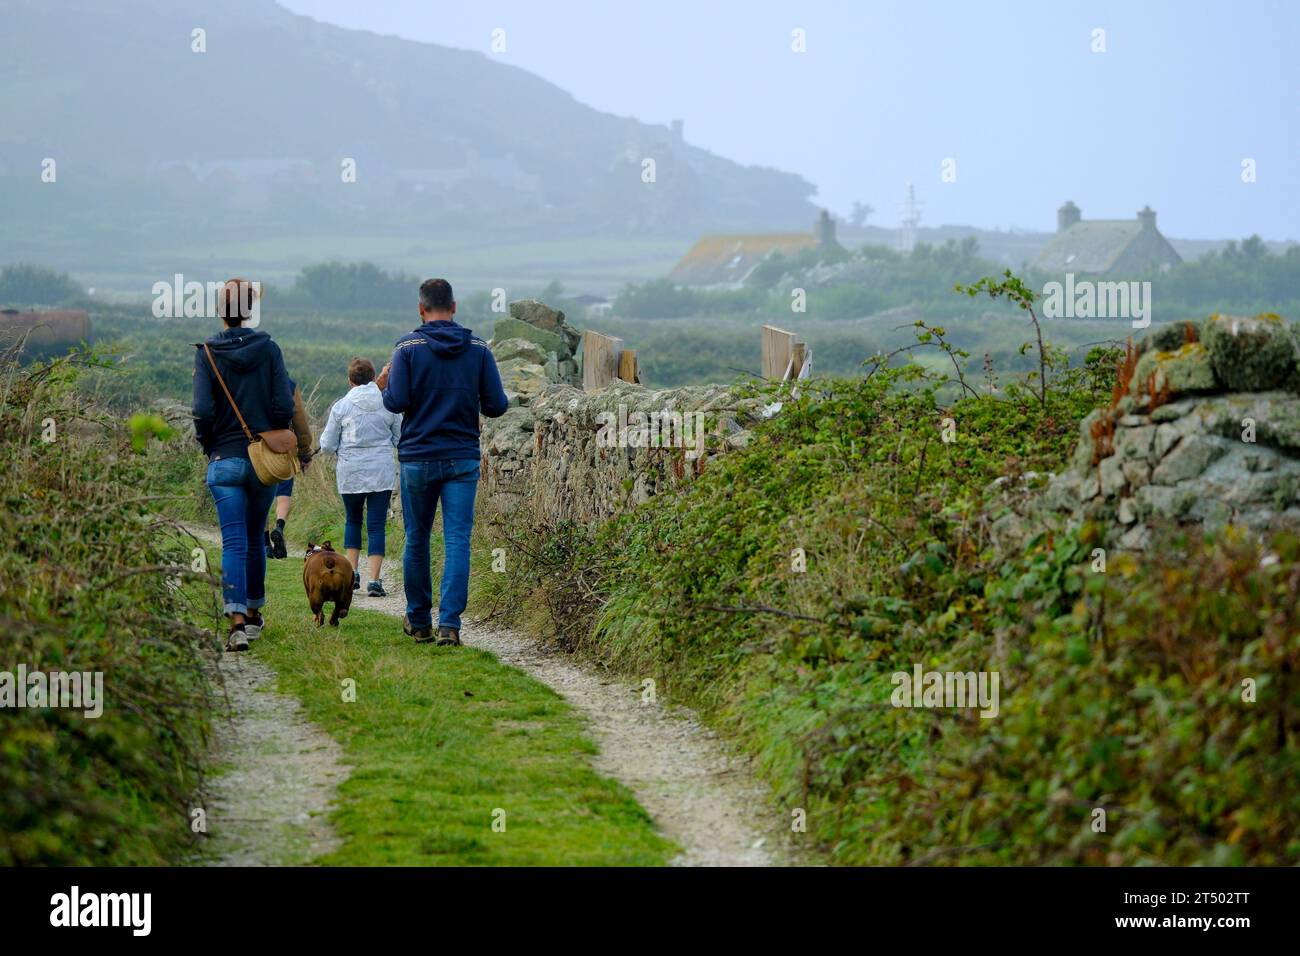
784	356
628	370
599	359
778	348
798	355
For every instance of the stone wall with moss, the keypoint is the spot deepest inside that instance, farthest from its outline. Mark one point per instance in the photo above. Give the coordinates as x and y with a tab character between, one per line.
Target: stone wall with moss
559	454
1207	432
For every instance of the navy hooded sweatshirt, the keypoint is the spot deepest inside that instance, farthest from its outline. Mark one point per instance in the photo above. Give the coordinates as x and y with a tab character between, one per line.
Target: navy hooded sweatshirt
253	369
441	377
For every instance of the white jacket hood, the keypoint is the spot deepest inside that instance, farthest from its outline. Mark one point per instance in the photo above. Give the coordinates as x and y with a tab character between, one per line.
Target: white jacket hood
366	398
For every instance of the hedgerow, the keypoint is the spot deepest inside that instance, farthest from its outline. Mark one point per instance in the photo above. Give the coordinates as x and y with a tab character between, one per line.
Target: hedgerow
849	541
84	572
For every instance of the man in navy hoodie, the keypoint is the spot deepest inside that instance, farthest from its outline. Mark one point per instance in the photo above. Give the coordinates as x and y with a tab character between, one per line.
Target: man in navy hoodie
440	378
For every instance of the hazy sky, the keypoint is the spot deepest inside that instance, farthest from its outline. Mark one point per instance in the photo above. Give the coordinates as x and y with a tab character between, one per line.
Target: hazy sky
887	91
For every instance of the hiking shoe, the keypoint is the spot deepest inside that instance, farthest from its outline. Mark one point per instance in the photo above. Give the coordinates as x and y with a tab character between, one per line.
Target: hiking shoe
356	580
277	543
376	589
448	636
253	626
270	552
237	639
422	635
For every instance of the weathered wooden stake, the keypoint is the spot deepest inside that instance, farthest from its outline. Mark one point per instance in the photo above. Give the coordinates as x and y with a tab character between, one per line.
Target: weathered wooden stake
777	348
798	355
628	369
599	359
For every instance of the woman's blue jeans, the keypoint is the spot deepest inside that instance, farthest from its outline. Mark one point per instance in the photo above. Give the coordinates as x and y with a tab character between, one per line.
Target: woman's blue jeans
424	483
375	504
242	505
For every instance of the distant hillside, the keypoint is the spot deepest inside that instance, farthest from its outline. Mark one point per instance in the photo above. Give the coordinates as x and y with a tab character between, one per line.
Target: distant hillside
154	140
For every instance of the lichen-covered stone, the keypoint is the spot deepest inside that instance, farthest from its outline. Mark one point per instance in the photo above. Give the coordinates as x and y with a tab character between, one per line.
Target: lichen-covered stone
1170	338
1134	442
523	349
537	314
511	434
522	378
1167	436
1251	354
1188	459
1162	502
1062	492
1137	473
1174	410
1127	513
1086	448
509	329
1187	369
1111	476
1090	486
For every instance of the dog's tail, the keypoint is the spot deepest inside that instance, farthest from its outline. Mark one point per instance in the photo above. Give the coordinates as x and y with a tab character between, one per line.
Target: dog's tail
329	562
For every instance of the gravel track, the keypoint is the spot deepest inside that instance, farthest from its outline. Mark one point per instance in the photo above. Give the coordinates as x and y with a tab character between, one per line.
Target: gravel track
273	807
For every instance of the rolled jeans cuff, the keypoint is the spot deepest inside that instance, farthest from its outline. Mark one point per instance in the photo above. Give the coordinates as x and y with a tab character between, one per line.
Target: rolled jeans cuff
254	604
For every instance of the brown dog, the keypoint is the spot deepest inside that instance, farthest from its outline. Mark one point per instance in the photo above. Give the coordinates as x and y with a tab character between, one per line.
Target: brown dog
327	576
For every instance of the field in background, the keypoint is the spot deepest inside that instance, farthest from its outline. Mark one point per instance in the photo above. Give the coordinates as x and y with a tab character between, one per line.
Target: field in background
593	266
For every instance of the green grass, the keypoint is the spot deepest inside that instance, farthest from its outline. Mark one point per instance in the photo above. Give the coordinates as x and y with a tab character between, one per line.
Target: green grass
599	265
440	738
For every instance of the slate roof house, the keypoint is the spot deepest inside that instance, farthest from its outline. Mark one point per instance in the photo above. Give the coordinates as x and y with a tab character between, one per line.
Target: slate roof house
1115	247
727	260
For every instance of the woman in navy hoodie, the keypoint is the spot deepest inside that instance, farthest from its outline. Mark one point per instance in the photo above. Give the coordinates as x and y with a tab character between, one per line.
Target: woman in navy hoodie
253	370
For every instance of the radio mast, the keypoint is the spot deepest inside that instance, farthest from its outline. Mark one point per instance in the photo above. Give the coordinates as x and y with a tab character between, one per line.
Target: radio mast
910	219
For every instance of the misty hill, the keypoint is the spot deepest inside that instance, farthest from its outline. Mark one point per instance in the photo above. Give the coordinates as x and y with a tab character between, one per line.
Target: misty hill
153	139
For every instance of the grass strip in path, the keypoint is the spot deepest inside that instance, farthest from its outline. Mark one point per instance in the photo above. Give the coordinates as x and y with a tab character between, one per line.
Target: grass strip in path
444	743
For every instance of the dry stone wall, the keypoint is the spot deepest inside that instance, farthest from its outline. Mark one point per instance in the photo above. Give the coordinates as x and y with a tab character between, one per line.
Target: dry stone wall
1207	434
559	454
572	456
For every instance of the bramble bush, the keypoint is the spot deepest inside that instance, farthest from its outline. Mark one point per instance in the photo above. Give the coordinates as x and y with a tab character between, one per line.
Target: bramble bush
1119	691
84	587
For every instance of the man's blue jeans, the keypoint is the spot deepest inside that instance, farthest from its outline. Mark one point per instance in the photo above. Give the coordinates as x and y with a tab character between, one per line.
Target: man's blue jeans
423	484
242	505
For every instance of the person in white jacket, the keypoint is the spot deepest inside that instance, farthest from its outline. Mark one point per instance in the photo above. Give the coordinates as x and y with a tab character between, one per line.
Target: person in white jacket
363	434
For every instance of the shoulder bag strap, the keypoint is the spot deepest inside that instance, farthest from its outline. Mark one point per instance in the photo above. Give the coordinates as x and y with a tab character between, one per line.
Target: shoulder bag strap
222	382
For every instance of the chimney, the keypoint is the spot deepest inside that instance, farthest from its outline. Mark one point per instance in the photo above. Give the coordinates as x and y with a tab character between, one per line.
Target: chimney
1067	216
824	230
1147	216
